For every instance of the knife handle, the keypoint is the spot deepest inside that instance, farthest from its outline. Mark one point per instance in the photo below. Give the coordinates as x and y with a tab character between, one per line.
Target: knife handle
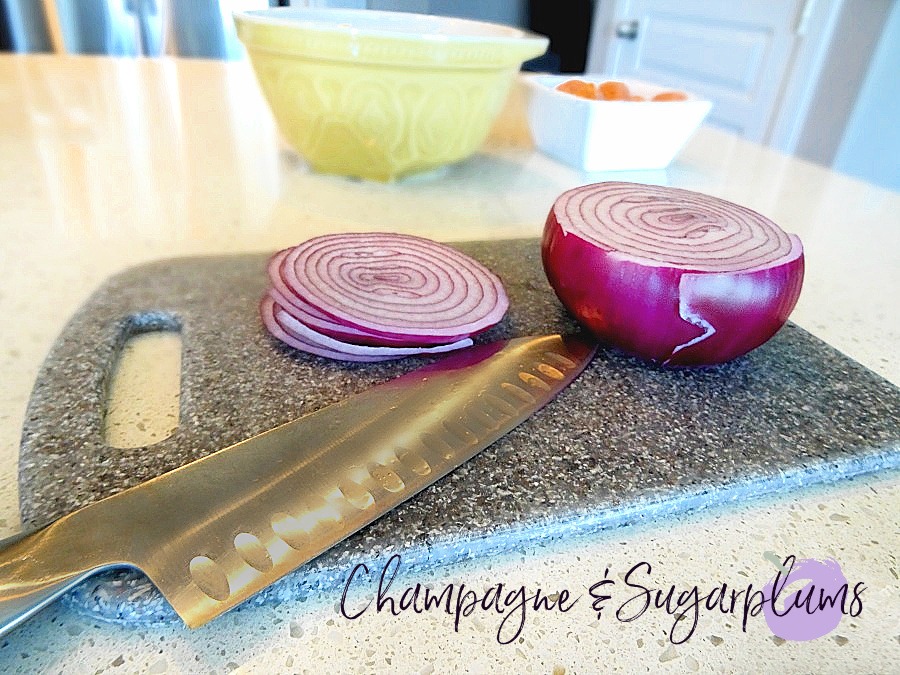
36	568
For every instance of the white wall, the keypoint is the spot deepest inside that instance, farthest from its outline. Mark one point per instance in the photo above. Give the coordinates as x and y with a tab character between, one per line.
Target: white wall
870	147
839	80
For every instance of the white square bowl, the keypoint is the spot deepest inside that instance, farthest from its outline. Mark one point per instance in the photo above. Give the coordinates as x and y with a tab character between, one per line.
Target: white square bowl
610	135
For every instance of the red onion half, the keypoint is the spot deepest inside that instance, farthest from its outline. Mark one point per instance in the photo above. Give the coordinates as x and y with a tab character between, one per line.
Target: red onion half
377	296
673	276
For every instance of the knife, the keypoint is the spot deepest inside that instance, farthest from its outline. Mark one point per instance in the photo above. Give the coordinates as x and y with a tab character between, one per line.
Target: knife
214	532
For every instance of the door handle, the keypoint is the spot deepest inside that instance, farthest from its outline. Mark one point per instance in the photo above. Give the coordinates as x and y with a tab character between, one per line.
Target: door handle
627	30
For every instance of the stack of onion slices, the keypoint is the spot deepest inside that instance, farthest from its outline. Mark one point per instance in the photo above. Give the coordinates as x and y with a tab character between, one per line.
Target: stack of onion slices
378	296
672	276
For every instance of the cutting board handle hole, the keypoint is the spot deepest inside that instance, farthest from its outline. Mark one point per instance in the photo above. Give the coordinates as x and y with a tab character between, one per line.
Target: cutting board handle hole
143	393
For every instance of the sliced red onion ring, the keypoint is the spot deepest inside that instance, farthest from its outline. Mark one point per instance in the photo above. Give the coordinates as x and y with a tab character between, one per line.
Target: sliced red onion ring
316	319
673	276
326	326
267	312
397	288
300	331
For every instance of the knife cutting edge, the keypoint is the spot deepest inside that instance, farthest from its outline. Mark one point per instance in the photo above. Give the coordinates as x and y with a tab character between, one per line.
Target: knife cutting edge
213	532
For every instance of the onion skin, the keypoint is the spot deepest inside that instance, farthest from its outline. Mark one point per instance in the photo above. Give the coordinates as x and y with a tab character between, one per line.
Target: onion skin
669	314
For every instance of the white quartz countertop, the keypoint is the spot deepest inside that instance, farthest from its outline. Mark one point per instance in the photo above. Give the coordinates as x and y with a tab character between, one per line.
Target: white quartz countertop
106	163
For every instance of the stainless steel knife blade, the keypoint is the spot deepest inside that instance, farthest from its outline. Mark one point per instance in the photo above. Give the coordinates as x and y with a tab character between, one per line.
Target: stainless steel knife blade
219	529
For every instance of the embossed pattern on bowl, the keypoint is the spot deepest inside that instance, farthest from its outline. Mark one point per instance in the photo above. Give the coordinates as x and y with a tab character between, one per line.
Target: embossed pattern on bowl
356	98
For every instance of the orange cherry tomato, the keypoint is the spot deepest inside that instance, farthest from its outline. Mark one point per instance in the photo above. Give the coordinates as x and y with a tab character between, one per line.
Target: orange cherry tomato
613	91
671	96
578	88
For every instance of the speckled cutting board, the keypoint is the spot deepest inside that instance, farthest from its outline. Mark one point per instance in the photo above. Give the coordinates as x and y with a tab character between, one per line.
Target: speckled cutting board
624	443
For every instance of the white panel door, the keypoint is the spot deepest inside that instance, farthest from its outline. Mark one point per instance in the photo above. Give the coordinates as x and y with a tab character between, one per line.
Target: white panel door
734	53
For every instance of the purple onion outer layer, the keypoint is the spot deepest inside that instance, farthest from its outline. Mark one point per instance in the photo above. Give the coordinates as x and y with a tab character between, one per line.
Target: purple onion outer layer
668	314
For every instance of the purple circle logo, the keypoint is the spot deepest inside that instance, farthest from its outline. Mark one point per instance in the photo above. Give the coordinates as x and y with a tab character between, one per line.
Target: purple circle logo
813	611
